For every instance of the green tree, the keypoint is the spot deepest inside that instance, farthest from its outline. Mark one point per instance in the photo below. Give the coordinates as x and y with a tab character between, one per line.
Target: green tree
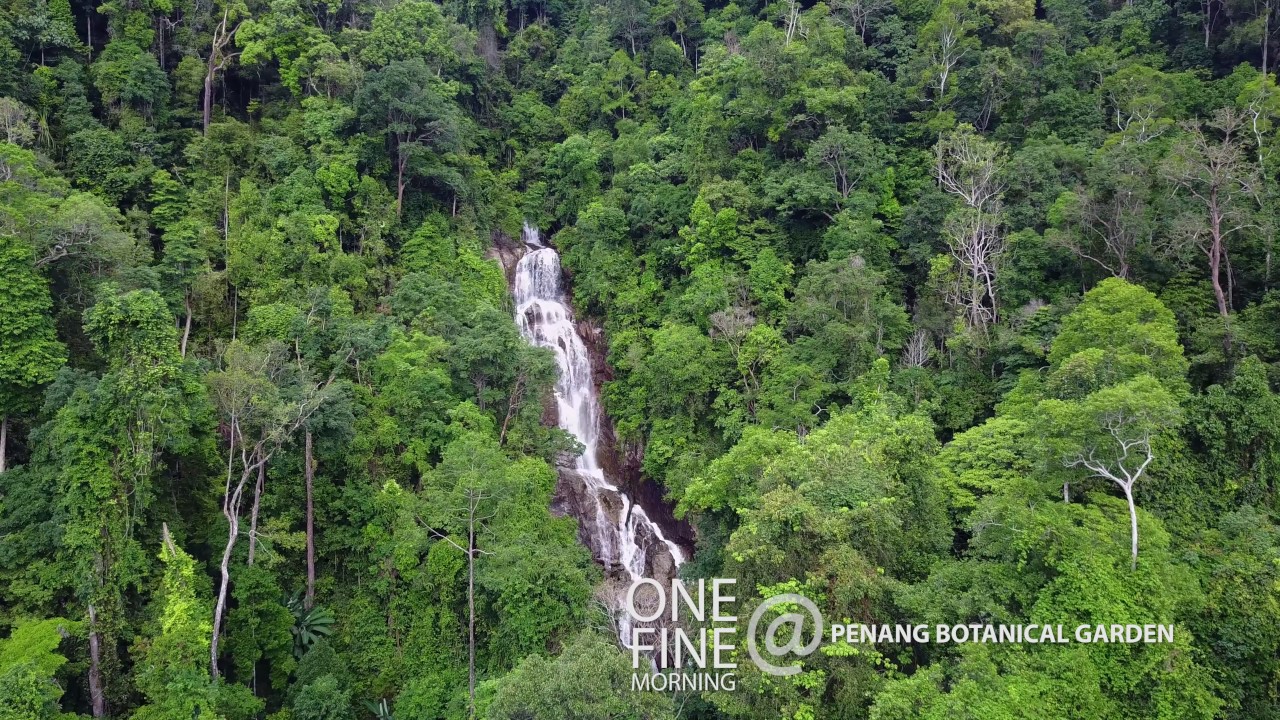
406	102
173	675
1118	332
590	679
30	353
1114	434
29	663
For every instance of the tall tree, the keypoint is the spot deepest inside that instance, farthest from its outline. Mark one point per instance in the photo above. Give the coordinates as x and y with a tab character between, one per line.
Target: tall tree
969	167
113	436
1209	166
410	105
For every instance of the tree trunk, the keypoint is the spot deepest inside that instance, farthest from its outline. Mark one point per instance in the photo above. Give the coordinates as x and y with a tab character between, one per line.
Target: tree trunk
400	168
220	39
309	474
208	95
253	513
1215	273
471	613
1133	528
97	695
186	326
1216	252
1266	36
231	511
4	440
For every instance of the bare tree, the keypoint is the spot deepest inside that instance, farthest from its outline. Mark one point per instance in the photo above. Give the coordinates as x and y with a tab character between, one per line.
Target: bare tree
916	352
1135	457
731	326
1259	117
1210	169
1111	433
1104	233
947	40
219	58
790	16
968	167
1111	218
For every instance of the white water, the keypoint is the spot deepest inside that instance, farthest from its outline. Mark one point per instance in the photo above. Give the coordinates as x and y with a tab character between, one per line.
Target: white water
545	319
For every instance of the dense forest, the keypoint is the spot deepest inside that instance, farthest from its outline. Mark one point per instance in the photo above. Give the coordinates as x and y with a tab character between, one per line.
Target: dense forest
936	311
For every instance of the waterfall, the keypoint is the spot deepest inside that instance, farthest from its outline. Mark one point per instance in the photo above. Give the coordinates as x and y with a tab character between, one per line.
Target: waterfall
619	532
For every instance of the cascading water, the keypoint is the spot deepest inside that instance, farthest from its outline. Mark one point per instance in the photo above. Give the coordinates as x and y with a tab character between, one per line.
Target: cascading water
619	532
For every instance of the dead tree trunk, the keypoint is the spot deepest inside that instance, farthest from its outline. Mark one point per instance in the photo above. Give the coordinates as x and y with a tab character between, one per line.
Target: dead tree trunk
1133	527
1123	477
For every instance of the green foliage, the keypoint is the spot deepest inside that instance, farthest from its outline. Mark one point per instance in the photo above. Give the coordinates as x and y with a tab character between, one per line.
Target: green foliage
590	679
1130	332
323	699
30	353
127	77
29	666
174	674
310	625
927	310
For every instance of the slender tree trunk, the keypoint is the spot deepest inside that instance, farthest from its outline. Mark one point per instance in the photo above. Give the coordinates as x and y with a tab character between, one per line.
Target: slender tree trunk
208	96
4	440
231	511
186	326
1266	36
1216	253
220	38
401	162
309	473
97	695
159	43
233	519
471	613
253	513
1133	527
